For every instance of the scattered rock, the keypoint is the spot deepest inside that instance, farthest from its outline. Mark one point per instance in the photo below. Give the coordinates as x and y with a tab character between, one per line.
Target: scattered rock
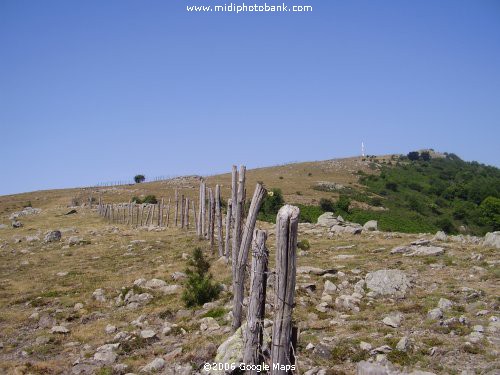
26	211
365	346
110	329
208	324
154	284
16	224
75	240
53	236
59	329
98	295
147	334
154	366
492	239
327	220
329	287
404	344
435	314
178	276
440	236
315	270
393	320
445	304
371	225
106	353
388	282
78	306
347	303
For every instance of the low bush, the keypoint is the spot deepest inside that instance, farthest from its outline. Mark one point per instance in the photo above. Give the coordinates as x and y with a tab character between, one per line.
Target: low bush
200	287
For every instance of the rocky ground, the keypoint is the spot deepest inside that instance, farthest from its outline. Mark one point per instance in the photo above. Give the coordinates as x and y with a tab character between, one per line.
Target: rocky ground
79	296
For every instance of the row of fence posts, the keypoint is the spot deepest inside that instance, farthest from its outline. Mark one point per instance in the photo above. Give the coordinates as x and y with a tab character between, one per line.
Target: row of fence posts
240	237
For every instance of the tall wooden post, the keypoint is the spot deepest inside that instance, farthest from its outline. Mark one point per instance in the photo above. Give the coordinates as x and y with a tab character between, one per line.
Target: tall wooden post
229	218
183	202
186	213
218	219
287	222
211	227
193	203
202	209
168	212
252	353
176	206
246	241
160	213
237	215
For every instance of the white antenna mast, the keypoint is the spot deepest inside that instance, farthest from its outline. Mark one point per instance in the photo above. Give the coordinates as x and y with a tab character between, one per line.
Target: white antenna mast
362	149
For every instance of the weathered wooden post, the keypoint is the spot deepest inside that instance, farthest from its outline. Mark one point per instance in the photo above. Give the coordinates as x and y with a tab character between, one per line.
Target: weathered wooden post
160	213
287	222
246	241
183	202
211	227
202	209
176	206
194	217
168	212
228	228
186	214
252	354
237	215
218	216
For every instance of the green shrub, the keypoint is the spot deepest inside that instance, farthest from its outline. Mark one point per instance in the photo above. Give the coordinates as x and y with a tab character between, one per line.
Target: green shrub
309	214
327	205
270	205
150	199
200	287
343	203
446	225
304	245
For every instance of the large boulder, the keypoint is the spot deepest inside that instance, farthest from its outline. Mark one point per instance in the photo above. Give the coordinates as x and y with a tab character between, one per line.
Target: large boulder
388	283
370	225
328	219
492	239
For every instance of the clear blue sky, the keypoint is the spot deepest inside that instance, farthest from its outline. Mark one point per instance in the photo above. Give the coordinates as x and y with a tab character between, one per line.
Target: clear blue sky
99	90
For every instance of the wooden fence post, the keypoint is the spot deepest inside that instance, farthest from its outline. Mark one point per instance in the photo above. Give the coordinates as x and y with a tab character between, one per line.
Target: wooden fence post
195	217
246	241
176	206
287	222
229	218
237	216
186	214
168	212
202	209
252	354
218	216
211	227
182	210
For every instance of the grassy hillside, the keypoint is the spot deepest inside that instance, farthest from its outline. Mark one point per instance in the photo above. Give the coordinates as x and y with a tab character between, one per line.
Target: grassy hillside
415	193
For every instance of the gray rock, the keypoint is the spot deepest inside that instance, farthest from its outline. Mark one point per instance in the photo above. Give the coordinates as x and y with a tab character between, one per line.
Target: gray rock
98	295
178	275
27	211
369	368
147	334
105	354
347	303
16	224
348	229
388	282
435	314
155	365
53	236
208	324
3	226
327	220
59	329
371	225
440	236
365	346
110	329
393	320
314	270
492	239
329	287
445	304
170	289
154	284
404	344
75	240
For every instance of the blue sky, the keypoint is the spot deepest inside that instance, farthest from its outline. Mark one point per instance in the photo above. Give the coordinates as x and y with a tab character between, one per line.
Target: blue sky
94	90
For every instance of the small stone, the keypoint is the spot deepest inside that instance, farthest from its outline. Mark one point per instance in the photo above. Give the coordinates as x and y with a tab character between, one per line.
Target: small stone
329	287
445	304
435	314
365	346
59	329
393	320
147	334
155	284
105	356
53	236
310	346
98	295
404	344
155	365
478	328
62	274
110	329
78	306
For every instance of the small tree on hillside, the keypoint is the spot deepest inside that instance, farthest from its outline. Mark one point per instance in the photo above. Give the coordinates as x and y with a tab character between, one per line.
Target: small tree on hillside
425	155
200	286
139	178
